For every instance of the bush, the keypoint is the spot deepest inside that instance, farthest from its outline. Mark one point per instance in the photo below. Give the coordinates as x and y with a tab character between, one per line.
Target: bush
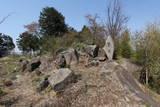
51	44
148	55
6	44
124	48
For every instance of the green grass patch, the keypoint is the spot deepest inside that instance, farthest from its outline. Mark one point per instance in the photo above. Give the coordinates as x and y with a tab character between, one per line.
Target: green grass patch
119	61
8	64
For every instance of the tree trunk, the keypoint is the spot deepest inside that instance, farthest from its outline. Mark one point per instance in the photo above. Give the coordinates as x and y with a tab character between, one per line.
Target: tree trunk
146	77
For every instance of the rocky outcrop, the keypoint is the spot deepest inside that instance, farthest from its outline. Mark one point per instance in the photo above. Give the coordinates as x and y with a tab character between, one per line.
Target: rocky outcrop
25	65
46	63
92	50
109	48
70	57
34	64
61	61
61	78
101	53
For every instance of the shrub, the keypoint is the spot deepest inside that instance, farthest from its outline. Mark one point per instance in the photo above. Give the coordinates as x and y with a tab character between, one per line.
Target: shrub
124	48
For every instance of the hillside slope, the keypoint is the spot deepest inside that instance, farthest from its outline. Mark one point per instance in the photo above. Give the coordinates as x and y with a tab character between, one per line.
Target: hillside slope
107	85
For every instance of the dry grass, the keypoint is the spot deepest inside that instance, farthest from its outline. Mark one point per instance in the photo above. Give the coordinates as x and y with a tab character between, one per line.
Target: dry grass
92	89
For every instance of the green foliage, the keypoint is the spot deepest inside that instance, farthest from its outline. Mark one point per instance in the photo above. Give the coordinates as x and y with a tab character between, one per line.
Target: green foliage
148	54
52	44
125	49
84	34
51	22
8	64
28	42
6	44
155	83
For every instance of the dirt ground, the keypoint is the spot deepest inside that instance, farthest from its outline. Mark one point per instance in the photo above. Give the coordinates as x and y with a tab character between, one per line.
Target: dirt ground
107	85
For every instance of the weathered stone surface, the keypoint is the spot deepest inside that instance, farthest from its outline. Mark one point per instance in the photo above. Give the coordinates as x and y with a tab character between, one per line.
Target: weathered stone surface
45	63
61	61
101	53
71	56
23	65
61	78
43	84
109	47
34	64
101	59
92	50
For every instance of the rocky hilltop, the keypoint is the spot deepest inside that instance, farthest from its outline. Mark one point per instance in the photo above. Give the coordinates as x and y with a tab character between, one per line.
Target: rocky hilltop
74	78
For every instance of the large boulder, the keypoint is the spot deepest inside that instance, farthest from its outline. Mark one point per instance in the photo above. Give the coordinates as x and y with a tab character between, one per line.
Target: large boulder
61	78
45	64
71	56
34	64
92	50
61	61
109	48
101	55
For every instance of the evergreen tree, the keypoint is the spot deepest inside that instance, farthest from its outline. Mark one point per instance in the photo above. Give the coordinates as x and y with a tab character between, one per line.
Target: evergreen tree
28	42
125	48
52	22
6	44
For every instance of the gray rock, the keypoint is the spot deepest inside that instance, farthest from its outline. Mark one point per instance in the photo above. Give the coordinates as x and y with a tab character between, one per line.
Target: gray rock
101	55
61	78
23	65
92	50
109	48
61	61
45	64
43	84
71	56
34	64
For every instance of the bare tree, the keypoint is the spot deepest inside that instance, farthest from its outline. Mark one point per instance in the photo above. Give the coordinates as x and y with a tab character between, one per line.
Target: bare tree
116	20
33	28
4	18
95	27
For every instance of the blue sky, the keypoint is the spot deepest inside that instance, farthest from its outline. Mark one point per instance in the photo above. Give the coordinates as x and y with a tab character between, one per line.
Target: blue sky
27	11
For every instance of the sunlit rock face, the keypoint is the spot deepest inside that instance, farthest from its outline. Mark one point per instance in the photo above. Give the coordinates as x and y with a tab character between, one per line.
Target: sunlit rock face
109	48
